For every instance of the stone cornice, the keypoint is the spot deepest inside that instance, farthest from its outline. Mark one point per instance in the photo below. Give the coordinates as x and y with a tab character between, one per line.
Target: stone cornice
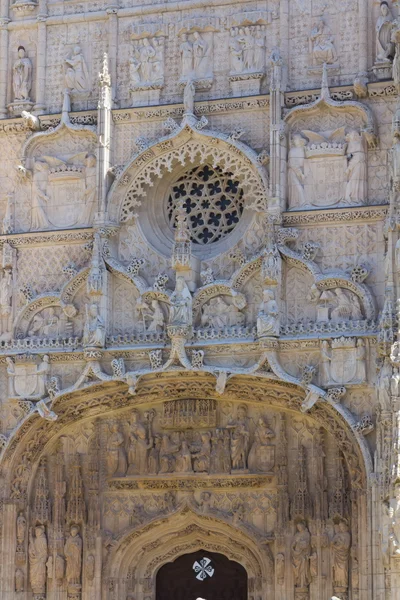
47	238
335	215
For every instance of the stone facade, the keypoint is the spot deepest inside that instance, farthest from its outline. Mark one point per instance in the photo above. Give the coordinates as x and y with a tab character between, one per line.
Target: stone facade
199	277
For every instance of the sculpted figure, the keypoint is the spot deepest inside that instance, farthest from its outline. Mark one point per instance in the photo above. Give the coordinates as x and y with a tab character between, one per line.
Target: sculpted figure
236	51
154	456
347	306
147	55
202	458
323	49
73	556
220	461
21	528
360	357
239	439
383	30
116	457
394	517
76	73
22	75
90	188
19	581
296	160
152	316
301	552
94	332
168	450
184	459
139	446
37	559
259	50
247	41
325	363
186	50
356	172
188	97
268	315
181	303
39	195
200	48
341	553
261	457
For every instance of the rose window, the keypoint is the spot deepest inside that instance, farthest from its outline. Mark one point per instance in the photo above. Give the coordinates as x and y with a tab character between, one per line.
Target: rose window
212	199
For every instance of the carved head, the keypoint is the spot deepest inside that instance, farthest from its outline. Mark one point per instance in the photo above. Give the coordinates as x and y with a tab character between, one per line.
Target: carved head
146	42
184	37
268	295
384	8
39	530
77	50
241	411
343	527
135	416
90	160
21	52
74	530
93	310
196	35
298	140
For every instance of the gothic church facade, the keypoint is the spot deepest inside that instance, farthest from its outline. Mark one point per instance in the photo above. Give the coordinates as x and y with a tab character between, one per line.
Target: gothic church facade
200	256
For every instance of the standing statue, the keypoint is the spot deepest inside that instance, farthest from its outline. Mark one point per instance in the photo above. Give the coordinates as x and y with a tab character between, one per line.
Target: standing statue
383	28
76	72
39	195
21	528
184	459
301	552
186	50
200	48
94	331
181	304
261	455
296	177
202	458
73	556
140	442
239	438
19	580
188	97
236	51
90	189
268	315
22	75
340	554
325	363
259	51
356	172
116	457
37	559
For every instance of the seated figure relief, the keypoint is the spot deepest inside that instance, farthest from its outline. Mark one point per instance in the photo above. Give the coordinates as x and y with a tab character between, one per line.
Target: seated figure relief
336	304
221	312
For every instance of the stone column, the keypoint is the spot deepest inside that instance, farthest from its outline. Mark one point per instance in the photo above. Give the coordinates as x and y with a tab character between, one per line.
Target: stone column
104	135
4	20
362	38
112	49
40	105
278	150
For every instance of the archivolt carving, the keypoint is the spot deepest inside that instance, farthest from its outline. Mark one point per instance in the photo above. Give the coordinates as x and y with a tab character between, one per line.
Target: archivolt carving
27	444
185	146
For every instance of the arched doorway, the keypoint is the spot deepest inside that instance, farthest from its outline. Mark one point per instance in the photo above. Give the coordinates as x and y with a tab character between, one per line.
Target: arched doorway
202	574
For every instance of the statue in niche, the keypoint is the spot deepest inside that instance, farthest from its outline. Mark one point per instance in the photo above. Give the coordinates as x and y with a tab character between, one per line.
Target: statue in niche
383	28
168	450
325	363
280	568
202	457
219	314
76	72
340	553
154	456
94	331
259	50
90	565
262	454
360	358
356	172
183	462
116	457
152	316
301	552
46	323
268	315
40	198
195	57
140	442
21	528
38	552
323	49
19	581
247	50
90	189
73	556
200	48
22	76
181	304
147	63
205	503
296	177
239	439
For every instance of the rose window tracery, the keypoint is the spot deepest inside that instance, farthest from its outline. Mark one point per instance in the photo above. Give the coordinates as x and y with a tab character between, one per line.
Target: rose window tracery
213	201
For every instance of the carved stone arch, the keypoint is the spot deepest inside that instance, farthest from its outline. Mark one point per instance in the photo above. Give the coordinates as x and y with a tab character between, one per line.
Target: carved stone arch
149	547
31	309
187	146
34	434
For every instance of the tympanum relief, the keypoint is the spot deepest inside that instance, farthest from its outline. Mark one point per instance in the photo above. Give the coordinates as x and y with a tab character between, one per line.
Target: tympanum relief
196	55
